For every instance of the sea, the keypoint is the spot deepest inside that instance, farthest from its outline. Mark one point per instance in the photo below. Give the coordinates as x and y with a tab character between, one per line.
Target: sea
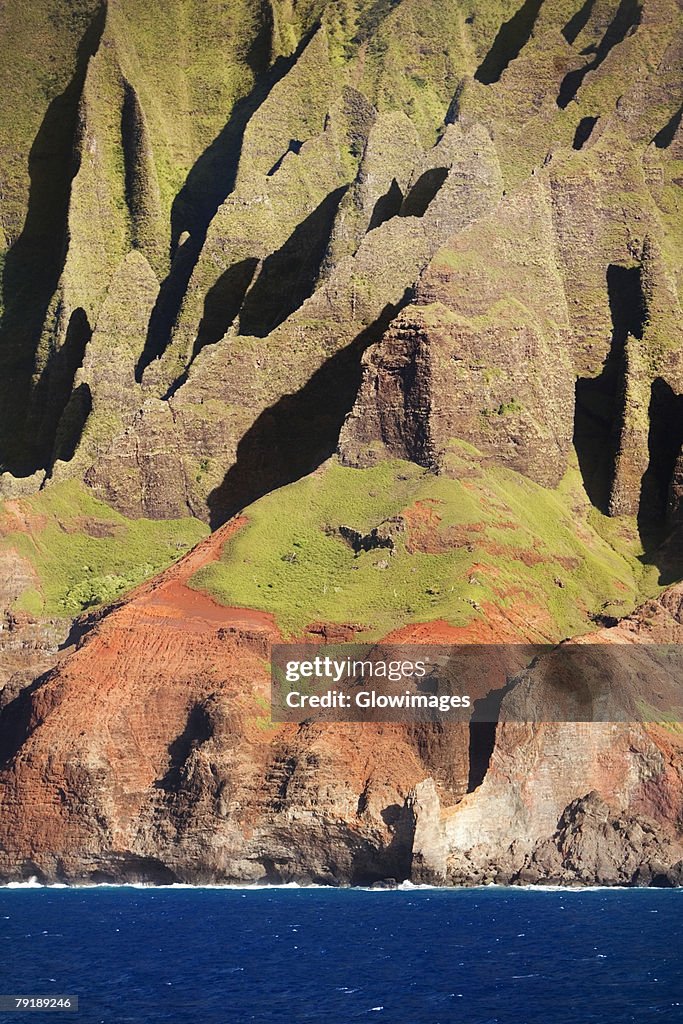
289	955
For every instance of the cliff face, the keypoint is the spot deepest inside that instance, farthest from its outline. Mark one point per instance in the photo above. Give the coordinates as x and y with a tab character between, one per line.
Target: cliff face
148	753
515	189
306	272
624	824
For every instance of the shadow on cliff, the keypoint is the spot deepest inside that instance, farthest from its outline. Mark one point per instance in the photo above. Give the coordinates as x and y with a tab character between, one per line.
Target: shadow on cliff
299	432
208	185
34	265
392	862
597	429
198	729
223	302
57	412
667	134
286	279
661	526
512	37
578	22
387	206
351	856
17	719
584	130
423	192
625	22
289	274
597	417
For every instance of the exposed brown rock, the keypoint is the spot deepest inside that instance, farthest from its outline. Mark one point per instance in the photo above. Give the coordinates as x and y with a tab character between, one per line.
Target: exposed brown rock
373	238
537	771
148	753
28	644
164	763
594	844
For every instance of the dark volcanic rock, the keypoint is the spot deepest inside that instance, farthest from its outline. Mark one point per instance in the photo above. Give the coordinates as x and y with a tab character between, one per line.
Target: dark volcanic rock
596	845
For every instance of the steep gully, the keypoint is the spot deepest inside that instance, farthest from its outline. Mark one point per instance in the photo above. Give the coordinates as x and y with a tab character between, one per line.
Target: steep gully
207	186
32	268
259	304
256	472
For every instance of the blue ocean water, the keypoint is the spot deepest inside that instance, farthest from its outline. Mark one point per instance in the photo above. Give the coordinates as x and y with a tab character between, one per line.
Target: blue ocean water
293	956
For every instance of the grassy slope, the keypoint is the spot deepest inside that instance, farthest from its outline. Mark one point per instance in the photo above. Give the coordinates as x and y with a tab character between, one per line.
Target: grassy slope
56	531
502	538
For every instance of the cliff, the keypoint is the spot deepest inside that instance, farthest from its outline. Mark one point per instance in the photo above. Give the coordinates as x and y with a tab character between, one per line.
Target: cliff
510	203
311	274
147	753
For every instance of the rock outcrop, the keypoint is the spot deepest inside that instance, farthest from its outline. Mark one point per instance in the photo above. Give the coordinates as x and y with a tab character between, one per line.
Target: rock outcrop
148	753
172	769
552	789
481	355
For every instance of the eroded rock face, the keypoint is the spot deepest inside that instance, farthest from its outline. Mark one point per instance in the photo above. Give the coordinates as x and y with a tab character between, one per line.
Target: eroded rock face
147	752
675	503
481	355
540	828
28	647
594	844
164	763
28	643
334	256
430	380
537	259
528	804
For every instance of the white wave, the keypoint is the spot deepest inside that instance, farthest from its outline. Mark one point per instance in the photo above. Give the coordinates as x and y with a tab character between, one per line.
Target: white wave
404	887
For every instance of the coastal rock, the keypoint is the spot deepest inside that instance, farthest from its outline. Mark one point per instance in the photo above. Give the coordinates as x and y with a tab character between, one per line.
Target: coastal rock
533	805
594	845
430	849
147	753
246	240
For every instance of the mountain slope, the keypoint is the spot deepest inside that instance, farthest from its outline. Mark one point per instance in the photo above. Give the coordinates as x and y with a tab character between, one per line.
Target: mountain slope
298	271
148	753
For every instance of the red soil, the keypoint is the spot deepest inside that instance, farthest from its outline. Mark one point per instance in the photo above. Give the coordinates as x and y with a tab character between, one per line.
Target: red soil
168	597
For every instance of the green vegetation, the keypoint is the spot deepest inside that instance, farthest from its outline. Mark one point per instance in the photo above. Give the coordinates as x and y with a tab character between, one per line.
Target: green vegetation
486	535
83	552
416	56
38	62
178	114
509	408
672	720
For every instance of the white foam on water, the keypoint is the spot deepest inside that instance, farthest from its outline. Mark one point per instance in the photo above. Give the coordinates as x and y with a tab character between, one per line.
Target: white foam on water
406	886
